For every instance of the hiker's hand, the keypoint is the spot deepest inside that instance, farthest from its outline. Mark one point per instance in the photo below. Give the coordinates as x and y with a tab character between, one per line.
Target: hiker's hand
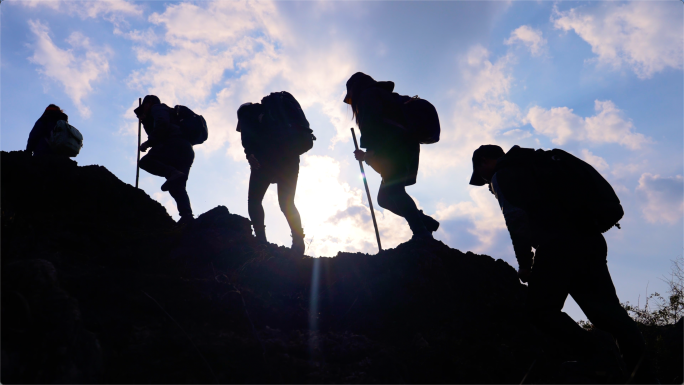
524	274
253	162
359	155
144	147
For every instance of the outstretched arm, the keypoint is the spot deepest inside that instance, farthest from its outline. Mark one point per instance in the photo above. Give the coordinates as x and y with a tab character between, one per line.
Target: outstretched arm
518	224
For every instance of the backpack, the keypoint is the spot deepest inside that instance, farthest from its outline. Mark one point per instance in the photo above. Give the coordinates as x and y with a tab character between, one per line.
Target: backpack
286	123
193	127
583	194
422	121
65	139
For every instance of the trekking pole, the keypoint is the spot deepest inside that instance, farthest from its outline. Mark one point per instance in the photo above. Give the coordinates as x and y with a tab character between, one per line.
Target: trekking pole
370	201
137	169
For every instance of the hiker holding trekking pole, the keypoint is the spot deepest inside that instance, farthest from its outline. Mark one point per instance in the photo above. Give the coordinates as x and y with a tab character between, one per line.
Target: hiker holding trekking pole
171	133
392	129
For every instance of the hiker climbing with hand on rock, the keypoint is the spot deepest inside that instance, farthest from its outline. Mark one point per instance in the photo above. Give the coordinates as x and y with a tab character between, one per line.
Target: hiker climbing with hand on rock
53	135
171	133
392	129
560	205
274	134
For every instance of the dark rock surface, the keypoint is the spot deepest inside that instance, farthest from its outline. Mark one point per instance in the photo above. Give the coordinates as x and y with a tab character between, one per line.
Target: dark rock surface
99	285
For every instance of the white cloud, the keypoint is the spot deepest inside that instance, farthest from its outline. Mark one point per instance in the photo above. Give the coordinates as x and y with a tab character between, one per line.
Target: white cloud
480	113
596	161
483	212
642	35
662	198
76	68
529	37
114	11
247	51
609	125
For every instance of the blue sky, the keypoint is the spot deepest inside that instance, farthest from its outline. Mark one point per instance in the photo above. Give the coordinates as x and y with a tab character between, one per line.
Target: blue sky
602	80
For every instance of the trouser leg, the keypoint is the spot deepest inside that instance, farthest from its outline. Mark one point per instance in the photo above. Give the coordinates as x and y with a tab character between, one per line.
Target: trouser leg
287	187
258	185
548	290
395	199
598	300
154	166
180	195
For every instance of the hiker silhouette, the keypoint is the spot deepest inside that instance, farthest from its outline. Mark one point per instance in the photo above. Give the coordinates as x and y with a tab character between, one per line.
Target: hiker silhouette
274	134
560	205
40	141
171	154
392	149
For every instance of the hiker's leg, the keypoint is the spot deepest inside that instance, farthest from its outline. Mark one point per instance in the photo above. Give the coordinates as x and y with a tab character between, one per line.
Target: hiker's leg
180	195
595	294
258	185
181	156
394	198
548	289
287	186
153	163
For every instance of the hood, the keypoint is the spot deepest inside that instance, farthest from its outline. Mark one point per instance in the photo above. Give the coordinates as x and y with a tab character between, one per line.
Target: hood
360	82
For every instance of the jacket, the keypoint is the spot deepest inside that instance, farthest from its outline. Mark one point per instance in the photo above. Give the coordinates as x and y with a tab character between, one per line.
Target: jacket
38	141
256	139
161	124
396	157
532	212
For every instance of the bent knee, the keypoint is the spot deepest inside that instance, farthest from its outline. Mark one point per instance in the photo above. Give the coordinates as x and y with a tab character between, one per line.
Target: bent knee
287	206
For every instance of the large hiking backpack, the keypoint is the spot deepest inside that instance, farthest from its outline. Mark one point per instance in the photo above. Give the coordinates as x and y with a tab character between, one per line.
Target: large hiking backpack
422	121
286	123
193	127
578	188
65	139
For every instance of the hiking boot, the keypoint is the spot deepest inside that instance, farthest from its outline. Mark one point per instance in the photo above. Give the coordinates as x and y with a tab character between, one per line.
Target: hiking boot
260	234
420	232
187	220
174	177
427	236
603	360
430	223
298	246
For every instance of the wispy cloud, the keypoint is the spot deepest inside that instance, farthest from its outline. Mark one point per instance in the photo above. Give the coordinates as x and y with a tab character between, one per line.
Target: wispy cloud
662	198
609	125
528	37
114	11
223	54
76	69
481	111
643	36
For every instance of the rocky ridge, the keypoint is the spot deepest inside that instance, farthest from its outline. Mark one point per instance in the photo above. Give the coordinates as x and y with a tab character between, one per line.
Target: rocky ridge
100	285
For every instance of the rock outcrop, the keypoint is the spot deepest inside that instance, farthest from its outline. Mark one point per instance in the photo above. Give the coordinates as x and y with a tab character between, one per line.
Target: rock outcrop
100	285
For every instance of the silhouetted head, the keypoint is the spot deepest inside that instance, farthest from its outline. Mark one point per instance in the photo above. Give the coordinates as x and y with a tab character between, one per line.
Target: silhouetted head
54	112
147	103
359	82
484	163
53	107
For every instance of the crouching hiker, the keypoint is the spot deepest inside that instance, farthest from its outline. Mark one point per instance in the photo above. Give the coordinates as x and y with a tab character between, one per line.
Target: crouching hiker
52	135
274	134
392	129
560	205
171	133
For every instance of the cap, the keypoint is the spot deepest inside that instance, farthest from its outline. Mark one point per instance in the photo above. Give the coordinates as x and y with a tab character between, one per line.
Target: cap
488	151
360	81
151	99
